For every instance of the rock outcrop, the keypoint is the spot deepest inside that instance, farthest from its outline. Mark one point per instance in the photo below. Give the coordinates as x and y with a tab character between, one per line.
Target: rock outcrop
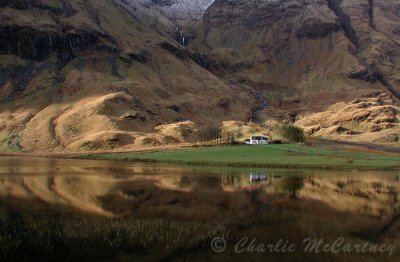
367	119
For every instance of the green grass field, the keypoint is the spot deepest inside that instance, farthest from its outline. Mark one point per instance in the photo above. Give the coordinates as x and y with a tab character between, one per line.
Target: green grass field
269	156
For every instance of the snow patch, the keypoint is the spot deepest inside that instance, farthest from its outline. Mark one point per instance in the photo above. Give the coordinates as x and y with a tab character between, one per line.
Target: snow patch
176	10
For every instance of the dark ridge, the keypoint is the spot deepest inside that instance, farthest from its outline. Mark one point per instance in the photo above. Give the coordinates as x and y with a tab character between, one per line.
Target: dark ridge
19	4
178	52
92	12
200	59
382	79
372	74
345	20
205	62
113	67
22	76
68	45
364	74
371	14
32	44
8	73
66	9
128	58
315	31
164	2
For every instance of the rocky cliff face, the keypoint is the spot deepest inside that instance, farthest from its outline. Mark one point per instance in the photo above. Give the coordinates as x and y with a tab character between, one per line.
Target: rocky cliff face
304	56
36	37
183	11
167	14
292	39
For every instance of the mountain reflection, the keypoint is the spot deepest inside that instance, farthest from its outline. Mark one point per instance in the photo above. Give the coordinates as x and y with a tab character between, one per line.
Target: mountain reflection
47	204
115	189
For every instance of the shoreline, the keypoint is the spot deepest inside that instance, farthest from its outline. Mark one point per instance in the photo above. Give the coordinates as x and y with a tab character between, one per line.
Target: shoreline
288	156
288	166
283	156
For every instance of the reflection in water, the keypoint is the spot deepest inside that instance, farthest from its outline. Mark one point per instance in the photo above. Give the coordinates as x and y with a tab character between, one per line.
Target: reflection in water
258	177
110	208
292	185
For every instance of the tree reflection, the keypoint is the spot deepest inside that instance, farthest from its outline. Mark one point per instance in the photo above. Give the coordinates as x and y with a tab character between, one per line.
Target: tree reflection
292	185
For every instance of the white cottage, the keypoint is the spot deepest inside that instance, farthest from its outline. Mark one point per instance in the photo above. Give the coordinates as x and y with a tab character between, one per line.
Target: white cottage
258	140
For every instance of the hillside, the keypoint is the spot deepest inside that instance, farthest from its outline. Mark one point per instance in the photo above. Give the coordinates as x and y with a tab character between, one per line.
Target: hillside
105	74
305	56
82	74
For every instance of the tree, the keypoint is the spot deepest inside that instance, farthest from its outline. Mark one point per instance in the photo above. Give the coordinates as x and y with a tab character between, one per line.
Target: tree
290	132
292	185
229	138
209	135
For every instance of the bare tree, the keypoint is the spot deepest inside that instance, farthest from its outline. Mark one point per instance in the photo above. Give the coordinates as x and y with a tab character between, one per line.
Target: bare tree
209	135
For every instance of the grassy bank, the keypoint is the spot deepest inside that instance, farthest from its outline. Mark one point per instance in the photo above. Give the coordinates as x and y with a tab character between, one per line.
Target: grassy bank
269	156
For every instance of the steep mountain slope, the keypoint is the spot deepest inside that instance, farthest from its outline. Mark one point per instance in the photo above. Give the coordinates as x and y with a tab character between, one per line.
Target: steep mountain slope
83	74
304	56
102	74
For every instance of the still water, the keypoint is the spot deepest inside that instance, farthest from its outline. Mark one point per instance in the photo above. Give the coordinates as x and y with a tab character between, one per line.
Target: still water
63	210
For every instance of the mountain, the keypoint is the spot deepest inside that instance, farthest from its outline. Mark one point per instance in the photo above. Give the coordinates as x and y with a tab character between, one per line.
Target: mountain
87	75
306	56
90	75
168	17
